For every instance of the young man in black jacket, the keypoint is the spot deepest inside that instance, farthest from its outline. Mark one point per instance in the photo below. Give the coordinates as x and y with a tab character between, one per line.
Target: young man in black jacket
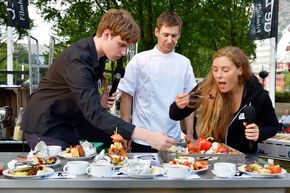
67	96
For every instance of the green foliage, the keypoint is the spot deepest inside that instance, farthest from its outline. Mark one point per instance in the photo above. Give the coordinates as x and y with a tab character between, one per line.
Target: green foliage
207	24
282	97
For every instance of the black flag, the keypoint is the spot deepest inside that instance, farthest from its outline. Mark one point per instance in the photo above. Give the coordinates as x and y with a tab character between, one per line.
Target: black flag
263	22
17	11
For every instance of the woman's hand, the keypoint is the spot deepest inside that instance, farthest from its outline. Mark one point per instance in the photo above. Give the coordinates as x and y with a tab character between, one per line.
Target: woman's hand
108	101
252	131
182	100
156	139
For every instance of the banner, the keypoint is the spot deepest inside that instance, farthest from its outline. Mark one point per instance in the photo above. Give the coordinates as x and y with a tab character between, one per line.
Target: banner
263	23
17	12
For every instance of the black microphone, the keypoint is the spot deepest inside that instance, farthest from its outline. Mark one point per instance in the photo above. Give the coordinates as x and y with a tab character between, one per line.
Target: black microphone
250	115
119	73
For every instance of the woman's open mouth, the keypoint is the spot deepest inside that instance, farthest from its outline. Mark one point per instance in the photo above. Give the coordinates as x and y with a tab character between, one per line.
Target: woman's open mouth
222	85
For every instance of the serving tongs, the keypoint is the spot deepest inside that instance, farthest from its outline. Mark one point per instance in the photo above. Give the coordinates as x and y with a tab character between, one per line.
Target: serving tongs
200	96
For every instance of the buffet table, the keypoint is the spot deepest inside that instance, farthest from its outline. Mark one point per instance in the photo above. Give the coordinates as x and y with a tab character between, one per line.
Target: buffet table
207	183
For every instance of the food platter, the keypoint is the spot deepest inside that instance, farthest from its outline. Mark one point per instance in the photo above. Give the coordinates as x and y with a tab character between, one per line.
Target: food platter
192	171
63	155
49	171
143	176
242	169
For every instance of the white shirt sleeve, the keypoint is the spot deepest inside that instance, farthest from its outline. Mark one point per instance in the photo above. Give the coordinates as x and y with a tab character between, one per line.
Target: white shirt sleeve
129	82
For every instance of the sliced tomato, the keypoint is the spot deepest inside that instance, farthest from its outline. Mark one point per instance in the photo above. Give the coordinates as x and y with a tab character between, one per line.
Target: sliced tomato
173	161
275	170
186	163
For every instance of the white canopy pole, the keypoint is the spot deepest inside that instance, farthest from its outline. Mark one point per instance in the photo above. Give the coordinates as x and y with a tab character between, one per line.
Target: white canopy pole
273	70
9	55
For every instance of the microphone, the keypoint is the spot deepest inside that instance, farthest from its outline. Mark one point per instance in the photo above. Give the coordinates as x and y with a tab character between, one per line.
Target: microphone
119	73
250	115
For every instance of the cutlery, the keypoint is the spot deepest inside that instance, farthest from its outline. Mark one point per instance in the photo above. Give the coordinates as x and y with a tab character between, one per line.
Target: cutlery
200	96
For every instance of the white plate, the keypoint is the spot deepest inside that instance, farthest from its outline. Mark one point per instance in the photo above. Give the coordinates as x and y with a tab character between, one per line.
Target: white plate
56	164
200	170
142	176
49	171
242	169
192	171
62	154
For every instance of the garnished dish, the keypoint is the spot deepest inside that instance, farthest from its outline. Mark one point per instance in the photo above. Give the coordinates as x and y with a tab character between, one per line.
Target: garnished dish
76	151
202	146
195	166
28	171
40	155
116	151
48	162
79	152
266	170
140	169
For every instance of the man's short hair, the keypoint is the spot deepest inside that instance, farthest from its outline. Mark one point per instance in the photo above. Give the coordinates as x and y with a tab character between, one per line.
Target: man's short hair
169	18
119	22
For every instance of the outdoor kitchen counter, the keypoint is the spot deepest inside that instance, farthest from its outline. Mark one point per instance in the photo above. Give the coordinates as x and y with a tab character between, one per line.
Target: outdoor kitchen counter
207	183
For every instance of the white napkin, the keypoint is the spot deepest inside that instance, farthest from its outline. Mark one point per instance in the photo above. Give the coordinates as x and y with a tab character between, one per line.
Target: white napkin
40	150
101	158
89	148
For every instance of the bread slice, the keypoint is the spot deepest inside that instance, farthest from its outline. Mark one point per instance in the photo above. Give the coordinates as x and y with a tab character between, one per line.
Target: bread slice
74	152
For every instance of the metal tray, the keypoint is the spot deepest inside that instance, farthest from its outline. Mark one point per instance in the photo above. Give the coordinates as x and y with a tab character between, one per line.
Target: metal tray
239	158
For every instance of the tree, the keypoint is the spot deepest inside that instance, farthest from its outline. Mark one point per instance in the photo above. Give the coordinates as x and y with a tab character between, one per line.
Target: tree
207	24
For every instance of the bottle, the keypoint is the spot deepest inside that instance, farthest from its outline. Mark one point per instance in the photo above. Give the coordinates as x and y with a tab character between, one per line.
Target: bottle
18	134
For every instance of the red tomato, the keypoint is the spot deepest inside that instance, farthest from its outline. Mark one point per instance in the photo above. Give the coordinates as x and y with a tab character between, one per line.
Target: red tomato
173	161
275	170
222	149
186	163
204	144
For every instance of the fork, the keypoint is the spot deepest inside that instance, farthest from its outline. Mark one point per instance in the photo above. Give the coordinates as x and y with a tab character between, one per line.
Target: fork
196	95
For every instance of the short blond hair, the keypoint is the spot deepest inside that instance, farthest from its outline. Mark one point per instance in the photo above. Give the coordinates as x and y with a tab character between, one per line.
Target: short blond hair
120	22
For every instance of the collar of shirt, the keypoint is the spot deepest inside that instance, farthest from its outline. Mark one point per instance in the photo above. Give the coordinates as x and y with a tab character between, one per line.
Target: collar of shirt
98	65
155	49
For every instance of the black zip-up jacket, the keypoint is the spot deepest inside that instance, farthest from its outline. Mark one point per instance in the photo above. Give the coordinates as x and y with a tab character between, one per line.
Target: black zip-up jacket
253	95
68	96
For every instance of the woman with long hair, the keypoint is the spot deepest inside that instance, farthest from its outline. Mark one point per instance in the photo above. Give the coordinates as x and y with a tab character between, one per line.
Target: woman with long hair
227	90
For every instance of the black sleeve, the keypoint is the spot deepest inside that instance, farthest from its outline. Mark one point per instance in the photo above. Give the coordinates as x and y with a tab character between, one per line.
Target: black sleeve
80	78
178	114
269	124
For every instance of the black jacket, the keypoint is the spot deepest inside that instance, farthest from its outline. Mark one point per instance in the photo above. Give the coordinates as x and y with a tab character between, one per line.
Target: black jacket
68	96
253	95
